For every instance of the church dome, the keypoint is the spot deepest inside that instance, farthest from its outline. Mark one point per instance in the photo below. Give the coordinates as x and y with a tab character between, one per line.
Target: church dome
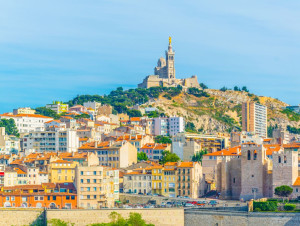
161	62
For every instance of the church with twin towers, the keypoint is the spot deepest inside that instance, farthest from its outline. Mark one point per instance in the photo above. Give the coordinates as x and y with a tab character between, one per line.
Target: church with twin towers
165	74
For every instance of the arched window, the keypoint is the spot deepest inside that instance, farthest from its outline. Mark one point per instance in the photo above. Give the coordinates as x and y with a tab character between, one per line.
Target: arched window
255	155
279	159
249	155
284	159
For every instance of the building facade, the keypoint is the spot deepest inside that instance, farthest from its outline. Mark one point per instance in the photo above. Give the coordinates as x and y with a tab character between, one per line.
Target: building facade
254	118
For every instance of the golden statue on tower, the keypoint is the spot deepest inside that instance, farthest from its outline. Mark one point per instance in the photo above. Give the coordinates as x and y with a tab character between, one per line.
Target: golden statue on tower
170	40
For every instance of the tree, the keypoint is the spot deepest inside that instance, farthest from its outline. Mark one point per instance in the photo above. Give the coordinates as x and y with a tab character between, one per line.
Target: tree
283	191
244	88
163	140
223	89
153	114
236	88
10	127
199	155
169	157
142	156
190	127
203	86
134	113
82	116
47	112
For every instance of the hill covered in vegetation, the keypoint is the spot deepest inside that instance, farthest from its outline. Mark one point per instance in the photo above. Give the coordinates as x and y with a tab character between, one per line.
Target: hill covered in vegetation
205	110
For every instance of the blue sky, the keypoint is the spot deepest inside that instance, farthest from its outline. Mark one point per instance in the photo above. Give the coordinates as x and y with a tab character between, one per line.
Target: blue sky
54	50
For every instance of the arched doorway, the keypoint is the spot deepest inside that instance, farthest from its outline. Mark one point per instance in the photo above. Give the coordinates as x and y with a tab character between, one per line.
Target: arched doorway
52	206
39	205
24	204
7	204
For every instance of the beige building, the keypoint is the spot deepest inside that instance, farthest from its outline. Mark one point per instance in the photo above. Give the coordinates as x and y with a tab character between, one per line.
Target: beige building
254	118
164	73
138	181
118	154
190	181
26	110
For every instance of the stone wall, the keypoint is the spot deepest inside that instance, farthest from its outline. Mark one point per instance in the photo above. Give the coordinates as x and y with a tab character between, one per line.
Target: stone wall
21	216
163	217
204	218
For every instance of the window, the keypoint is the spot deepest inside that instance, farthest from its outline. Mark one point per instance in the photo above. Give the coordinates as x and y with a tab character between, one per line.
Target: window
95	180
88	189
88	196
234	180
81	181
67	197
279	159
95	189
41	198
95	172
48	197
36	198
88	181
95	196
81	173
255	155
284	159
7	198
13	198
54	197
72	197
249	155
296	191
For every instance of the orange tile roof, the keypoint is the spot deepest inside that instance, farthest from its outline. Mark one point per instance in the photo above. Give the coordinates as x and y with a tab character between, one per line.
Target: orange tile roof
270	148
297	182
19	171
226	152
135	119
91	145
25	115
294	145
186	165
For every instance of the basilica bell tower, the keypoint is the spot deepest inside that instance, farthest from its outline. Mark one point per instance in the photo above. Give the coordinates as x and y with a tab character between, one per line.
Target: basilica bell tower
170	58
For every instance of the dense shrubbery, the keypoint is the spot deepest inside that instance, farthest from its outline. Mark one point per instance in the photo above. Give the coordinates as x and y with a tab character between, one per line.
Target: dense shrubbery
265	206
289	207
163	140
293	116
120	98
293	130
197	92
10	127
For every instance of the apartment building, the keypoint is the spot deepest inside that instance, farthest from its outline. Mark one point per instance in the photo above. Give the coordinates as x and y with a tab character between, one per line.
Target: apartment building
26	123
26	110
40	196
58	107
165	126
118	154
190	179
138	181
254	118
51	139
62	171
185	145
89	183
154	150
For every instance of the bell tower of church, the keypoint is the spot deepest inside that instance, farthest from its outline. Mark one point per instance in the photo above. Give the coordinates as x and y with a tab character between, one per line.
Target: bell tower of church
170	58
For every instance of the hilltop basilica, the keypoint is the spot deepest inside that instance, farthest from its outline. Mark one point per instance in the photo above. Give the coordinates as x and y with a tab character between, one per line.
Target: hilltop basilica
164	73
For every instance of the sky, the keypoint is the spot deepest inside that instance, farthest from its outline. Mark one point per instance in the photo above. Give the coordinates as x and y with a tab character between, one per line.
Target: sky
55	50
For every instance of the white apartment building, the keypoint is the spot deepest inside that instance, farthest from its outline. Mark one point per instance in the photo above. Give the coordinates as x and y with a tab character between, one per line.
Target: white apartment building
27	122
52	139
92	104
176	125
254	118
35	176
166	126
58	107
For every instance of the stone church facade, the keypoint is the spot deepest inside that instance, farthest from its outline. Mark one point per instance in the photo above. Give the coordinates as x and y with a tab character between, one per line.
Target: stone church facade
164	74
